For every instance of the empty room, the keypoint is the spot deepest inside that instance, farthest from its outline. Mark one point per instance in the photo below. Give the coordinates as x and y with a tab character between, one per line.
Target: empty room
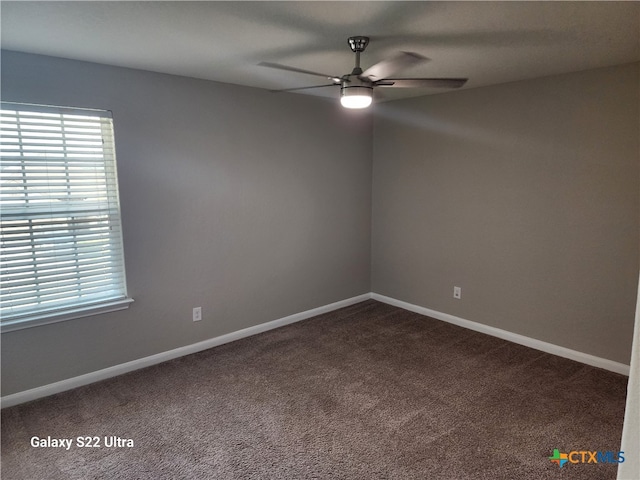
341	240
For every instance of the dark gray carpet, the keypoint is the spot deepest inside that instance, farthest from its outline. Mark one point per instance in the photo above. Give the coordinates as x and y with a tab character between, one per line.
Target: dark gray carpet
369	391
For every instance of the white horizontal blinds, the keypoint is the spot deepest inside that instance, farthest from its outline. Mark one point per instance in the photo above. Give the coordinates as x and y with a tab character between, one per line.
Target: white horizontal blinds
61	241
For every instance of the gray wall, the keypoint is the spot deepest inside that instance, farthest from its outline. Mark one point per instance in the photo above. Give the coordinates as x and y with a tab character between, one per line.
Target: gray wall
526	195
256	206
252	205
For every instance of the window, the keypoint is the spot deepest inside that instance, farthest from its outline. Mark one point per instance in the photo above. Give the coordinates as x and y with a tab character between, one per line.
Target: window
61	252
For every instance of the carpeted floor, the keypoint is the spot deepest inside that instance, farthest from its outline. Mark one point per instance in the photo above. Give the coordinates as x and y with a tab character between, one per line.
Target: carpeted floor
366	392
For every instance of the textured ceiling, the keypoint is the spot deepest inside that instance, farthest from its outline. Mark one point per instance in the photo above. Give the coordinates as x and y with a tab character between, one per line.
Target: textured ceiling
488	42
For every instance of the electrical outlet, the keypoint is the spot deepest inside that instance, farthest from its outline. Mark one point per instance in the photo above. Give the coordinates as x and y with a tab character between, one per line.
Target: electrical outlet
197	314
457	292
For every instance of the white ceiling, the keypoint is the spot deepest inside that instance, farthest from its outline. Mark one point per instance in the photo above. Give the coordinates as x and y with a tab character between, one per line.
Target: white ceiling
488	42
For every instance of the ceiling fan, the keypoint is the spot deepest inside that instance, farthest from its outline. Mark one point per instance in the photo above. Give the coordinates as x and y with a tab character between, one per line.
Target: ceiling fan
356	88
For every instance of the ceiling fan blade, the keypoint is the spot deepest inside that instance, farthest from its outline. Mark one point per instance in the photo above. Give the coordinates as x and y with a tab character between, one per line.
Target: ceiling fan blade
421	82
304	88
392	65
298	70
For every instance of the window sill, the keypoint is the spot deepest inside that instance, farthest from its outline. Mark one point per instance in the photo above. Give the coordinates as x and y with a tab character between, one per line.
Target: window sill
66	314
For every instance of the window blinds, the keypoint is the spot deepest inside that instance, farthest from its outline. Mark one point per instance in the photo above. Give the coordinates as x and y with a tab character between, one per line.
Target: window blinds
61	240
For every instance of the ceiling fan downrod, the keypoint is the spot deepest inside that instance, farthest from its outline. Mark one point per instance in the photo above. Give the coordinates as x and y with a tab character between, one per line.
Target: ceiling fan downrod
357	45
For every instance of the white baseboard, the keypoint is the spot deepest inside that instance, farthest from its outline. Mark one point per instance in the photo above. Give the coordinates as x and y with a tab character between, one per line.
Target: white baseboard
511	337
68	384
86	379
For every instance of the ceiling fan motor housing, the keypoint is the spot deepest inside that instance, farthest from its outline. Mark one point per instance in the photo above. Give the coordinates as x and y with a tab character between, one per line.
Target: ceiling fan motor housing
353	81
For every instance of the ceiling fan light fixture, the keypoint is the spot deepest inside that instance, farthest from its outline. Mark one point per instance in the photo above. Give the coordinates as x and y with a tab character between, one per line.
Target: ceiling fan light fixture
356	96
